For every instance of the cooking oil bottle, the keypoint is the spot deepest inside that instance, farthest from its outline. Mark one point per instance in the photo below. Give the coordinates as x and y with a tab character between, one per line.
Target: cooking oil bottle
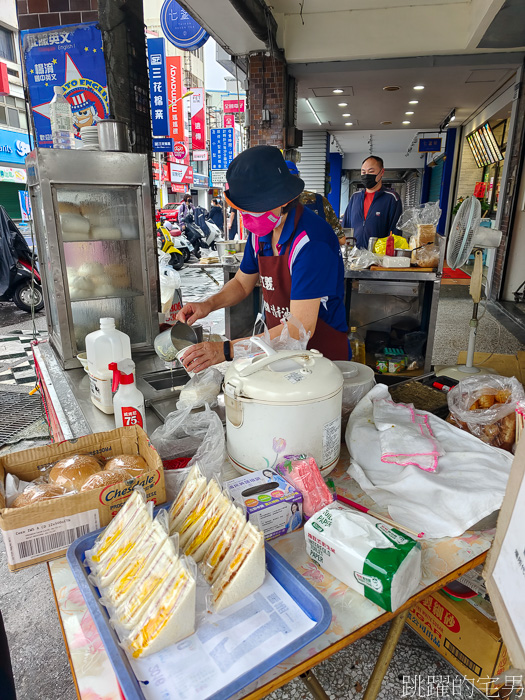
358	346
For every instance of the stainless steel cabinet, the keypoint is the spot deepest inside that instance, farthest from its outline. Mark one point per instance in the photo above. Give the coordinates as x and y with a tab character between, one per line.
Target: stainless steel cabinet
97	245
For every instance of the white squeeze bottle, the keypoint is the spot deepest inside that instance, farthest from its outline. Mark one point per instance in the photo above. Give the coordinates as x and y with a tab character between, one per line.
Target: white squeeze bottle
62	127
103	347
128	402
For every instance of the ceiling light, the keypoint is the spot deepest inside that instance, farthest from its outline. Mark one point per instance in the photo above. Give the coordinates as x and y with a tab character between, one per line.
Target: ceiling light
419	87
338	91
392	88
413	102
348	123
347	114
409	112
406	122
313	111
342	104
387	122
446	121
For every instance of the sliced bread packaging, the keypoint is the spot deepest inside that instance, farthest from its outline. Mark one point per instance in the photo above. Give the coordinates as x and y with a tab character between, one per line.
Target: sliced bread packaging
371	557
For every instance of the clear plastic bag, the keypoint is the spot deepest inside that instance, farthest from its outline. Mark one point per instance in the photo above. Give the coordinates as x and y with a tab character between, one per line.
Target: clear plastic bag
361	259
485	406
302	472
285	341
169	280
203	388
423	215
204	441
428	256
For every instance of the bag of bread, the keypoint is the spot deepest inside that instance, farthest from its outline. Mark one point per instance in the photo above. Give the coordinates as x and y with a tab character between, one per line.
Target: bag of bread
485	406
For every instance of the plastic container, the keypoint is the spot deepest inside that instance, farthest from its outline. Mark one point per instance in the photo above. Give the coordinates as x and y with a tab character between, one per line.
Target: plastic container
62	127
128	402
311	601
390	244
357	344
103	347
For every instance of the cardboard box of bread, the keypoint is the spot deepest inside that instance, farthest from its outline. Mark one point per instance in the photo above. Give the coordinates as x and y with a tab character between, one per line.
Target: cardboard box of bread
72	488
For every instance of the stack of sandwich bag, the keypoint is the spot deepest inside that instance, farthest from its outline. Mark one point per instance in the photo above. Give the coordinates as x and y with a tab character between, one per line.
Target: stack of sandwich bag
149	590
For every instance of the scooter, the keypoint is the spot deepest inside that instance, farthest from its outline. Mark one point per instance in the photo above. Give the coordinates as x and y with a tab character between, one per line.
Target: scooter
182	242
197	236
165	243
20	280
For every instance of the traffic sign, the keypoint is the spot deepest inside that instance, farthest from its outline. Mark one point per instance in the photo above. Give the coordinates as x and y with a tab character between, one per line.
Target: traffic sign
222	145
218	177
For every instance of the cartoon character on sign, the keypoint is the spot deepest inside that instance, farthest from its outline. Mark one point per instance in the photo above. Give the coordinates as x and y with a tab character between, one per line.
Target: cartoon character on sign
84	111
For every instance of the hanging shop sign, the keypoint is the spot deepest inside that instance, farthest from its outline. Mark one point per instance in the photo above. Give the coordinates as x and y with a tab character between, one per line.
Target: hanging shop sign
180	150
218	177
181	173
229	121
199	155
70	57
174	68
429	145
162	145
180	29
25	205
14	146
158	86
16	175
179	188
222	145
200	180
198	119
233	106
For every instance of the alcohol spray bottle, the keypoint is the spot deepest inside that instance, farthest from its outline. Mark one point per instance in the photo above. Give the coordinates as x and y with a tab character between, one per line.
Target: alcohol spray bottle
128	402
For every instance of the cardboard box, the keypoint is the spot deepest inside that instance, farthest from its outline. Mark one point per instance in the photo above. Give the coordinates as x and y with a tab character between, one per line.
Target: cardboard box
269	500
464	636
43	531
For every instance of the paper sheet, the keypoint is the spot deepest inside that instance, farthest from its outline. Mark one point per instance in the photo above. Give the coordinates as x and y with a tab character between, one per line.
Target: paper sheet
224	647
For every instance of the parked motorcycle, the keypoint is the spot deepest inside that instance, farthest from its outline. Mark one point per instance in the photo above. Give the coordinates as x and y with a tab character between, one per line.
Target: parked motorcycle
20	280
182	242
165	243
197	237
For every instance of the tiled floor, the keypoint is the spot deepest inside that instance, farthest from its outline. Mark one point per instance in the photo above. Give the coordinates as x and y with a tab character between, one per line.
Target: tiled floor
16	358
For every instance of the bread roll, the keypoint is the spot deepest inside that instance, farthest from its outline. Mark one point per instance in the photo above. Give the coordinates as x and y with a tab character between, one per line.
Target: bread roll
105	233
72	472
68	208
503	395
73	225
474	406
90	269
37	492
486	401
135	465
105	478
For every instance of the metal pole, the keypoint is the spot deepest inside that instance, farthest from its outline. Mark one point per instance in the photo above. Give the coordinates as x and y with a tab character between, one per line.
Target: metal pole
385	656
313	685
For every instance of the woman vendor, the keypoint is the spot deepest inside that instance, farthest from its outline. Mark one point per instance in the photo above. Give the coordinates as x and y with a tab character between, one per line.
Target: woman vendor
294	252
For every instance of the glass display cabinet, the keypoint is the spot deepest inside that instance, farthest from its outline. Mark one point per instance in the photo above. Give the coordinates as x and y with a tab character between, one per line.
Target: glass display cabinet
96	245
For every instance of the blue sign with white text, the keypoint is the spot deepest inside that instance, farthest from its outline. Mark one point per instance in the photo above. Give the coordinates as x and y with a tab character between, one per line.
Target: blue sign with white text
14	146
222	144
429	145
180	29
162	145
70	57
158	87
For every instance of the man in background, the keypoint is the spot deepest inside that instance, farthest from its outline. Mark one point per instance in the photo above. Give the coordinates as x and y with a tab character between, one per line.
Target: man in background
320	205
375	210
216	214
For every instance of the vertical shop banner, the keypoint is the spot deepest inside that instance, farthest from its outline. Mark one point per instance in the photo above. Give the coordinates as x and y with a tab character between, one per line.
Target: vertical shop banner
158	86
174	66
72	58
25	205
198	119
229	121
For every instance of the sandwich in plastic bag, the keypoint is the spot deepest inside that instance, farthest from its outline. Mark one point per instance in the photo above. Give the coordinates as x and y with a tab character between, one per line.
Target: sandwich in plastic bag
223	541
369	556
192	488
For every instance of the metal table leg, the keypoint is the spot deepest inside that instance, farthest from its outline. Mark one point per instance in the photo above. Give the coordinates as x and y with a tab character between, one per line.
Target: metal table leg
385	656
313	685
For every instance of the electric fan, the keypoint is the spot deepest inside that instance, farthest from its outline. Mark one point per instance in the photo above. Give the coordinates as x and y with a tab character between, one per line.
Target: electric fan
466	235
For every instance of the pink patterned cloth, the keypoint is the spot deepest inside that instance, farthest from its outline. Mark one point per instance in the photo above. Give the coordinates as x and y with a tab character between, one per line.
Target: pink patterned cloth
302	472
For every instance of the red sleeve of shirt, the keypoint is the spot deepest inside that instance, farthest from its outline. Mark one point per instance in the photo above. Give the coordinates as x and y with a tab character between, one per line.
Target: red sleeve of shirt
369	196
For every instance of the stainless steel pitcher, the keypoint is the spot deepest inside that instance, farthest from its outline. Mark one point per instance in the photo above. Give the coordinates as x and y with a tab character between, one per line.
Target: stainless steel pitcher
114	136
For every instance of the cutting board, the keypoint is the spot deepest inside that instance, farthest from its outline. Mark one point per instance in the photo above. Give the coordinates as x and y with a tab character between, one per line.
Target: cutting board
403	269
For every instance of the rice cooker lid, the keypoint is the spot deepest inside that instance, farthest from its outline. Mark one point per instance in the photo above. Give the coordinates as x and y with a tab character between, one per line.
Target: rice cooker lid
286	377
355	373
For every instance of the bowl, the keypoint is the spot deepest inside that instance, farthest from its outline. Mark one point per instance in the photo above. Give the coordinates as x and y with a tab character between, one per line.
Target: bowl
402	253
229	247
82	358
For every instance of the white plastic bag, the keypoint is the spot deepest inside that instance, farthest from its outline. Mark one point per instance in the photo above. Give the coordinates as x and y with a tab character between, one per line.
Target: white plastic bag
169	280
203	388
285	341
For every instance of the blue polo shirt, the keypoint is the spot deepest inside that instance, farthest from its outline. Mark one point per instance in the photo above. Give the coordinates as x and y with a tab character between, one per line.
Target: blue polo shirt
315	262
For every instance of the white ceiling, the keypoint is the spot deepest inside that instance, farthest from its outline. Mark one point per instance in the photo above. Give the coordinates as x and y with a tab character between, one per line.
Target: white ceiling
463	88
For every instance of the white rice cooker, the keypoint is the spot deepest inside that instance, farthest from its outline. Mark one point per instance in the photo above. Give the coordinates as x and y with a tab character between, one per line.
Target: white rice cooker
281	403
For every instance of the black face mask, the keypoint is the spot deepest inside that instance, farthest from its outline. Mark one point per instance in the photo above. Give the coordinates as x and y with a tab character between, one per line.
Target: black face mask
369	180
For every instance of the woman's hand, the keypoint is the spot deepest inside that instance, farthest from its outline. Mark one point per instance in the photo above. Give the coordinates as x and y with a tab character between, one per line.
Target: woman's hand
194	311
203	355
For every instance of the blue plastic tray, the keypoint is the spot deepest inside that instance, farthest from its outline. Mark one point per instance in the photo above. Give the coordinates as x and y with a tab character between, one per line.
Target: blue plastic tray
309	600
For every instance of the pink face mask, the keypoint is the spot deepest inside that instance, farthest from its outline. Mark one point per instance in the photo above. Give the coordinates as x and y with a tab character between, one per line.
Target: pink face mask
260	224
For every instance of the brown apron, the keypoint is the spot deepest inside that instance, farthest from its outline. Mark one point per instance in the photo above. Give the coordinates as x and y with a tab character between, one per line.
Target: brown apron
276	283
